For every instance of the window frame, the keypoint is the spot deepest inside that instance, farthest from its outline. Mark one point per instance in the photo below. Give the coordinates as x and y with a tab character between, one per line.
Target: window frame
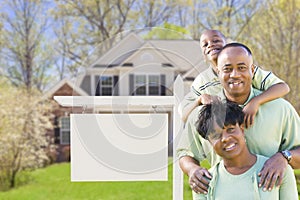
64	130
106	86
147	84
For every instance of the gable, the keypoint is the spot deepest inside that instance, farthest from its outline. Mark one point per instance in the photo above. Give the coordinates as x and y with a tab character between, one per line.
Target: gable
65	90
185	53
119	52
181	54
148	58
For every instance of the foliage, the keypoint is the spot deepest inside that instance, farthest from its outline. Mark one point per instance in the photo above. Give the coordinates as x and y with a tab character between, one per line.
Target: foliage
273	36
82	25
167	32
90	27
24	121
230	17
25	53
149	13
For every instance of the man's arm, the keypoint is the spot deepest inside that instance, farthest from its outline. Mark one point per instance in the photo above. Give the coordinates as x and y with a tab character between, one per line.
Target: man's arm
275	167
288	188
198	177
295	161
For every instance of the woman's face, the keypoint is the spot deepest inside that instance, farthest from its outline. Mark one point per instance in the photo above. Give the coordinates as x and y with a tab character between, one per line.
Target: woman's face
229	141
211	43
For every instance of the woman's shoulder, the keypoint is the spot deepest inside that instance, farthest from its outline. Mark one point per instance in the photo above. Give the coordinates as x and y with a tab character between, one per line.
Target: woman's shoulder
261	159
214	168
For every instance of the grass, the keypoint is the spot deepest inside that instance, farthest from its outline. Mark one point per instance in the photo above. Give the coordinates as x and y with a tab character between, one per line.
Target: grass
53	183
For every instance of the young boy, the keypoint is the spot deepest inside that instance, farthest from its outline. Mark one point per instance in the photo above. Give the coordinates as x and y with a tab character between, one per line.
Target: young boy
236	176
207	85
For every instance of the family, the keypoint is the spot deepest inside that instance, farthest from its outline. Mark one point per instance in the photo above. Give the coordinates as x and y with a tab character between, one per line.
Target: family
236	119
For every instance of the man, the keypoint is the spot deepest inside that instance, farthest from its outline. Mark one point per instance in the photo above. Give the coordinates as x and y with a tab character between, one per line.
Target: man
206	85
275	133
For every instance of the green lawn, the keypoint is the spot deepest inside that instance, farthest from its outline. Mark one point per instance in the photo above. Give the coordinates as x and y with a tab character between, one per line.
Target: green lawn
53	183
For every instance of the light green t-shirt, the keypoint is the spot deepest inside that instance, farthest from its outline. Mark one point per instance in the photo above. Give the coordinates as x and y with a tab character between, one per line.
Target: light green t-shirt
276	128
226	186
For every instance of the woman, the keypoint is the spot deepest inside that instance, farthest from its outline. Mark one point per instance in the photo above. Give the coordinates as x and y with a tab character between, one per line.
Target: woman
236	176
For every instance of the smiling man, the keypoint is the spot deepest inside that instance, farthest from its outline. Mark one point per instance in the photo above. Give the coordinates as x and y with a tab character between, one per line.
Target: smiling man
235	71
275	133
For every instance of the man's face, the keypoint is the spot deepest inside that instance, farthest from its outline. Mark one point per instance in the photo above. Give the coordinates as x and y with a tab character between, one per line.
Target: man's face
211	42
235	71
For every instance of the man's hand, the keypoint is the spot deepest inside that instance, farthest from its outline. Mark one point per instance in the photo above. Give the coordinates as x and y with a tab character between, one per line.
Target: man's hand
199	179
272	171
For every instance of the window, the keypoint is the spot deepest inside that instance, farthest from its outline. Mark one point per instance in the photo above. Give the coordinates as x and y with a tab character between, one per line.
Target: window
140	85
154	85
106	85
147	85
65	130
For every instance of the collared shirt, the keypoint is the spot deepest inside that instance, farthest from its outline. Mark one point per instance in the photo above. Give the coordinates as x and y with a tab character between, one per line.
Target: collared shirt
207	82
276	127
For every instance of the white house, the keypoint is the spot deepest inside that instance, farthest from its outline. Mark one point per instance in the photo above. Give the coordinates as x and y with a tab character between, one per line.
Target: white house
134	66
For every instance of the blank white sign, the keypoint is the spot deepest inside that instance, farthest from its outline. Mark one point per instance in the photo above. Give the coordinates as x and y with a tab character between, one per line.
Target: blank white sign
119	147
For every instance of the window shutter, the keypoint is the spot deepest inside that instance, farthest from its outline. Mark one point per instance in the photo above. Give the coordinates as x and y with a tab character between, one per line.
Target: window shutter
56	136
115	91
163	85
131	84
55	121
86	84
98	86
56	131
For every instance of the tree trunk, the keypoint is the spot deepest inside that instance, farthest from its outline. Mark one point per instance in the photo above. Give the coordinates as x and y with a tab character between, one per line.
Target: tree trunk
12	182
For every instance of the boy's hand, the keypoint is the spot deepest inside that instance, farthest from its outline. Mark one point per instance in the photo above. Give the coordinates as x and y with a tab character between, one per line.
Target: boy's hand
250	111
207	99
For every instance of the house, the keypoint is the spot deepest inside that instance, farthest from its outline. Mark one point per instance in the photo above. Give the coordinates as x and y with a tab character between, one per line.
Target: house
61	121
133	66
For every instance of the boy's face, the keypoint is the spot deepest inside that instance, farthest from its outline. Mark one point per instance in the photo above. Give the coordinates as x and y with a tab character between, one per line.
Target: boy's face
211	42
229	141
235	71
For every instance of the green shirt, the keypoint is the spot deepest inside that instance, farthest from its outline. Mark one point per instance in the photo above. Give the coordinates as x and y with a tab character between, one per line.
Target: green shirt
226	186
207	82
276	127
